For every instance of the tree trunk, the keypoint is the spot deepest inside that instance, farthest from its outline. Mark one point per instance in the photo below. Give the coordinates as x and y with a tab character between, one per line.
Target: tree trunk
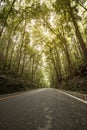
11	57
7	52
66	51
70	66
32	71
5	22
58	62
82	6
55	67
20	55
22	70
78	34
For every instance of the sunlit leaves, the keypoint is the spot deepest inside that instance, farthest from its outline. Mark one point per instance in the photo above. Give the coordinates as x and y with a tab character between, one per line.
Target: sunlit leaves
42	38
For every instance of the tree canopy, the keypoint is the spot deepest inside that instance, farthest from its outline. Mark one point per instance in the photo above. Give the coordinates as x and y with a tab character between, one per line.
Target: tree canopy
43	41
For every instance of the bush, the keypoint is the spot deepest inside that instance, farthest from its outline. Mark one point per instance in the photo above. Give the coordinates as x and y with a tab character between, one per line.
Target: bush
8	85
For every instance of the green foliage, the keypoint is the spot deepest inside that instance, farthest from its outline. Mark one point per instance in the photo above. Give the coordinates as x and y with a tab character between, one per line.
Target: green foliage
40	42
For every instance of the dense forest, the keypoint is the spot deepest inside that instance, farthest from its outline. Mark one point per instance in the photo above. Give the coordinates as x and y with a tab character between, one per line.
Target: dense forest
43	43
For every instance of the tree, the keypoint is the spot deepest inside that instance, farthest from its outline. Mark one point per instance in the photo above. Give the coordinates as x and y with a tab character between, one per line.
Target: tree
66	7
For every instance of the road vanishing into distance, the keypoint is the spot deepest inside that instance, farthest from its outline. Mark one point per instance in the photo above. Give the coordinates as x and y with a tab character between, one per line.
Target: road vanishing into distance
42	109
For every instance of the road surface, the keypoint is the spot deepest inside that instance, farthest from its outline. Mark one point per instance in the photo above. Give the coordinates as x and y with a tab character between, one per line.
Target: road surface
43	109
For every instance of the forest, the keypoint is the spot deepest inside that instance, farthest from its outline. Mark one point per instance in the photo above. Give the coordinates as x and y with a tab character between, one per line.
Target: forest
43	43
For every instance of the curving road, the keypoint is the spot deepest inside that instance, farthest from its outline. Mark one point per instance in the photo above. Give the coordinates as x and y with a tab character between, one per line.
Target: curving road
43	109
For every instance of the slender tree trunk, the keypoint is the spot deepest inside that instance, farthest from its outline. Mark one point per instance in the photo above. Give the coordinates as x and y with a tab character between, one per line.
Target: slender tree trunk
11	57
32	71
12	51
20	55
79	50
66	51
7	52
64	65
22	70
36	68
76	48
70	66
82	6
58	62
55	67
63	41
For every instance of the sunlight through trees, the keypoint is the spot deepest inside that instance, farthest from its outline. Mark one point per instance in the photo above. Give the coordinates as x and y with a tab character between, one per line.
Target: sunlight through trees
43	41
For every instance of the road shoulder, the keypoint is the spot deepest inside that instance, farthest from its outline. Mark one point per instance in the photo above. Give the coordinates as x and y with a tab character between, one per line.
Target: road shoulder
77	95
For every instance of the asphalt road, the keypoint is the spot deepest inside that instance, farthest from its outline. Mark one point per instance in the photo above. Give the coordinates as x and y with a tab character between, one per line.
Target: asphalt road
43	109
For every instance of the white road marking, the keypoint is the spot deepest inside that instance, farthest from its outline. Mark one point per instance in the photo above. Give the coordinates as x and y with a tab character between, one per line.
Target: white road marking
48	123
46	109
73	97
48	118
47	127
